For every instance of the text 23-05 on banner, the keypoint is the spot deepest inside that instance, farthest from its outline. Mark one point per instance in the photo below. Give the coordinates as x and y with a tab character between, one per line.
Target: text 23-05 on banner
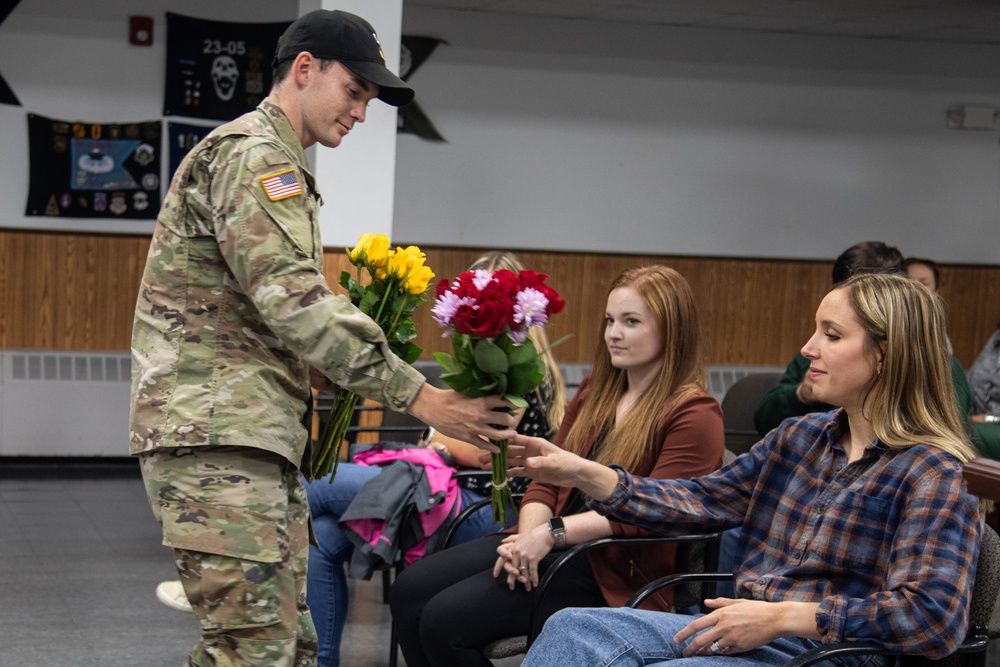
216	69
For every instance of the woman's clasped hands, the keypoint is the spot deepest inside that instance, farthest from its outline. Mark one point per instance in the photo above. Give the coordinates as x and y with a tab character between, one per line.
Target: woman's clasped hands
518	556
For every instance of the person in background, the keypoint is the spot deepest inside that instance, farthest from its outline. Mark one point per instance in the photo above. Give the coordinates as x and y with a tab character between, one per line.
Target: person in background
924	271
644	406
793	394
327	590
984	379
856	522
233	310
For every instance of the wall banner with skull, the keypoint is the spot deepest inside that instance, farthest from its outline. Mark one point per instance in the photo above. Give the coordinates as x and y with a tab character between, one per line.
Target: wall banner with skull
215	69
93	170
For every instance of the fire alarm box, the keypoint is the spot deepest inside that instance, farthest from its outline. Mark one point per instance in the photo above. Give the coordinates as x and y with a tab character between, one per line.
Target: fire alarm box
140	30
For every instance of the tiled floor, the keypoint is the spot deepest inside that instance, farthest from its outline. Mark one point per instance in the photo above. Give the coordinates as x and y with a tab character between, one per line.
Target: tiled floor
79	563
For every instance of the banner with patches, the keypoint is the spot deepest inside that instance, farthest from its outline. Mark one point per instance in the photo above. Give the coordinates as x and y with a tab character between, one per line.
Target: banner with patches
411	118
216	69
181	138
93	170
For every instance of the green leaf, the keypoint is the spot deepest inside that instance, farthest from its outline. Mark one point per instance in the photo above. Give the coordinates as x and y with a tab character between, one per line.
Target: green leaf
474	392
345	277
446	361
560	341
462	346
523	378
405	331
453	380
369	301
523	353
518	401
415	352
490	358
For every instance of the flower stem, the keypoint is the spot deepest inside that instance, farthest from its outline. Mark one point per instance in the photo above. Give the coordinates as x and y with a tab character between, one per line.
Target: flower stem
389	288
326	458
501	497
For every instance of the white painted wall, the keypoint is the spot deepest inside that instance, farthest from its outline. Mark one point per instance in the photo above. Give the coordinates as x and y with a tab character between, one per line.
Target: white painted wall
581	136
619	137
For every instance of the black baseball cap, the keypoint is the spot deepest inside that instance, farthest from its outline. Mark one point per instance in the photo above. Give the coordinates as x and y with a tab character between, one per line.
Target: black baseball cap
348	39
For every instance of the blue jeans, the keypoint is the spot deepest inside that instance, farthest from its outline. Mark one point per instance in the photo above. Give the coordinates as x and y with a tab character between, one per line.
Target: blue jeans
634	637
326	588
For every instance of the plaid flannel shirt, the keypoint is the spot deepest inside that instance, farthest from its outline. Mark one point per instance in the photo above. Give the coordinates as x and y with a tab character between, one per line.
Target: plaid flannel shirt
886	545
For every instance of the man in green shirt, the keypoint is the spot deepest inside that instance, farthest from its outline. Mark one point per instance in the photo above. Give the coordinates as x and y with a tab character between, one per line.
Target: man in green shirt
793	394
233	314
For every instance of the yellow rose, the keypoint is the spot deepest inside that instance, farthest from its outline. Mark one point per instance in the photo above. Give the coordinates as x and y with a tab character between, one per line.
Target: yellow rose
360	251
398	264
378	251
418	279
416	256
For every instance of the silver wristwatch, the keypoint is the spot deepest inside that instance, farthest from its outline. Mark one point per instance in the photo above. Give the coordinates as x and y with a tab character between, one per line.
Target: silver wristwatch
558	531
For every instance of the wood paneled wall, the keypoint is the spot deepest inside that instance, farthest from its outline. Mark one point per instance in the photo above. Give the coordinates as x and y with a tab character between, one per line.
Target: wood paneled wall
63	291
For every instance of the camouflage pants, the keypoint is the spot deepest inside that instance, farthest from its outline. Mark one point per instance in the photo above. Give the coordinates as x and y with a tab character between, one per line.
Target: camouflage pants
237	519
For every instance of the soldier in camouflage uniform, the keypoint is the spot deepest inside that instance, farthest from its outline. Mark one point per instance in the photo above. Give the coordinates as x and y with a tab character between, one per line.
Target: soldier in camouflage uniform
233	310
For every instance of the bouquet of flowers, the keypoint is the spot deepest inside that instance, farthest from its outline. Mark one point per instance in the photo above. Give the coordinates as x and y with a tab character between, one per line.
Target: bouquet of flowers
487	315
396	280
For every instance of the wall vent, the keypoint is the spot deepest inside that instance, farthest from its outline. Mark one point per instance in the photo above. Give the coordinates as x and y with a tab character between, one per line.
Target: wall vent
64	367
64	403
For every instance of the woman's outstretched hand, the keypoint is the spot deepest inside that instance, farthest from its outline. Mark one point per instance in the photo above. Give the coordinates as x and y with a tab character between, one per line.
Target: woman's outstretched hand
539	459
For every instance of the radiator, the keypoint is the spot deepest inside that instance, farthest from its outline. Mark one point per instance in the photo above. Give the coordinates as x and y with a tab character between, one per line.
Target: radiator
64	403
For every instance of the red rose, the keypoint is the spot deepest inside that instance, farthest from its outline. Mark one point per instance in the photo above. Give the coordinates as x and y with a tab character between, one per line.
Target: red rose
491	320
442	287
466	287
529	278
464	319
555	304
535	280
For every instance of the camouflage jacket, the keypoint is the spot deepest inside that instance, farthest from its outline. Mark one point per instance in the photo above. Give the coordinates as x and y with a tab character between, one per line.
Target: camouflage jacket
233	307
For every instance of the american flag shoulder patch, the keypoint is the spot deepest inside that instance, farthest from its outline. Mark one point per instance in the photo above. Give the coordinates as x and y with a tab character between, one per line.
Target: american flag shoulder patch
281	185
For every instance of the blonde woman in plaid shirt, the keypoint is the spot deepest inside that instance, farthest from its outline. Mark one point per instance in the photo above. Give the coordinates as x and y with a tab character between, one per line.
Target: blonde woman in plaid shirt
856	525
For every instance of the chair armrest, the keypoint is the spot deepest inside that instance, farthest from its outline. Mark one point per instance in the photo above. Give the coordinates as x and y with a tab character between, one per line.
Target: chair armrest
586	547
462	516
976	641
671	580
836	650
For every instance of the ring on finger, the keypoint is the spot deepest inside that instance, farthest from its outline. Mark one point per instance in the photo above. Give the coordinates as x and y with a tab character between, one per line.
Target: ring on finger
718	650
523	568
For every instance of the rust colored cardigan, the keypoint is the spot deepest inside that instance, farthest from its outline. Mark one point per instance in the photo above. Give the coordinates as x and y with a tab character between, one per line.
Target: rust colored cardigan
689	442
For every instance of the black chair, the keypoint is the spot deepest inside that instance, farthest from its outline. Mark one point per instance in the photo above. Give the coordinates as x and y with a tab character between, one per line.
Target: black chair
971	653
739	404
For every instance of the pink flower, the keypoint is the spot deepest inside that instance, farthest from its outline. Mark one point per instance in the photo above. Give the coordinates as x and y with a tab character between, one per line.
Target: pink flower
530	308
447	304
